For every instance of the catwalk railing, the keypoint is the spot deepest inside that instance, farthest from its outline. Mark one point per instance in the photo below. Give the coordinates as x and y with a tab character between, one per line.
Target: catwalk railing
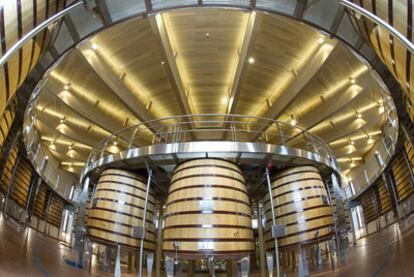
210	127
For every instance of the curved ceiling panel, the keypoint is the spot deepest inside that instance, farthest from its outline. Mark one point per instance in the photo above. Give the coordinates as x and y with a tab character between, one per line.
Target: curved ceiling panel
210	61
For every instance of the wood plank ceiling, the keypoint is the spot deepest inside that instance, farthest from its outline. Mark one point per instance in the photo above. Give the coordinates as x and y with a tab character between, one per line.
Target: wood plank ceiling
209	61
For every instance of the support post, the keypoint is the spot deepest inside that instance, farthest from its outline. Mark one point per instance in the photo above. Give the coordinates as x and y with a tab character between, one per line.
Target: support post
117	272
80	227
229	268
158	253
269	187
353	226
169	266
144	218
244	267
269	259
261	240
150	263
211	269
340	220
106	259
34	190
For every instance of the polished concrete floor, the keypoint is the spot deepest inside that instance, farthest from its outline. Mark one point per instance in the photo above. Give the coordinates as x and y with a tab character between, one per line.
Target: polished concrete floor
25	253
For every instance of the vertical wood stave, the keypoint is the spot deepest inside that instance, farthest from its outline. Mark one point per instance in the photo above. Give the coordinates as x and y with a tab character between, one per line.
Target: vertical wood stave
301	204
118	207
208	211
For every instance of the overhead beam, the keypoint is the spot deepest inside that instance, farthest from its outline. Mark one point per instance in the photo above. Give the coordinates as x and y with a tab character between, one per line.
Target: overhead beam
52	87
161	35
343	104
306	73
108	76
252	26
59	133
369	124
169	58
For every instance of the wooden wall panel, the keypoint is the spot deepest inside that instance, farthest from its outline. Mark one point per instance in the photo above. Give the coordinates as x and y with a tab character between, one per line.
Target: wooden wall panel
21	183
400	62
17	19
401	174
369	208
54	213
40	203
6	176
384	197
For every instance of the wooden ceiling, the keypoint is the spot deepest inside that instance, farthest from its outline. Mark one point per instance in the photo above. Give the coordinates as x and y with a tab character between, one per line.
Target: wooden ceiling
209	61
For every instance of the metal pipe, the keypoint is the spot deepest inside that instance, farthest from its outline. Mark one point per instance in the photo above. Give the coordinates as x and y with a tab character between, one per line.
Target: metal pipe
144	218
26	38
380	22
269	186
261	240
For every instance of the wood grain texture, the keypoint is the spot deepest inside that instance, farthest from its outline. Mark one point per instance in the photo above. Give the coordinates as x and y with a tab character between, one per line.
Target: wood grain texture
118	206
401	175
399	14
300	202
5	177
208	210
21	183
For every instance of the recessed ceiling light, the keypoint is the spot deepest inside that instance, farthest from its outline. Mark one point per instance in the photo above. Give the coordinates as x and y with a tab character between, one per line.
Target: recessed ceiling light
207	35
62	120
293	120
358	115
94	46
66	86
162	62
321	40
381	107
251	60
351	142
224	100
115	143
352	80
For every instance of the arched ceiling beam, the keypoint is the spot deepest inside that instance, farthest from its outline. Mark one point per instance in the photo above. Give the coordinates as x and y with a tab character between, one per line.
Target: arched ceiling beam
253	25
59	133
106	74
343	105
308	71
353	131
169	58
52	87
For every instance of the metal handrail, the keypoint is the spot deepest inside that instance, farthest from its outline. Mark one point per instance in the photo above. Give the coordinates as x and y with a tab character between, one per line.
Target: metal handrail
380	22
177	129
39	28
